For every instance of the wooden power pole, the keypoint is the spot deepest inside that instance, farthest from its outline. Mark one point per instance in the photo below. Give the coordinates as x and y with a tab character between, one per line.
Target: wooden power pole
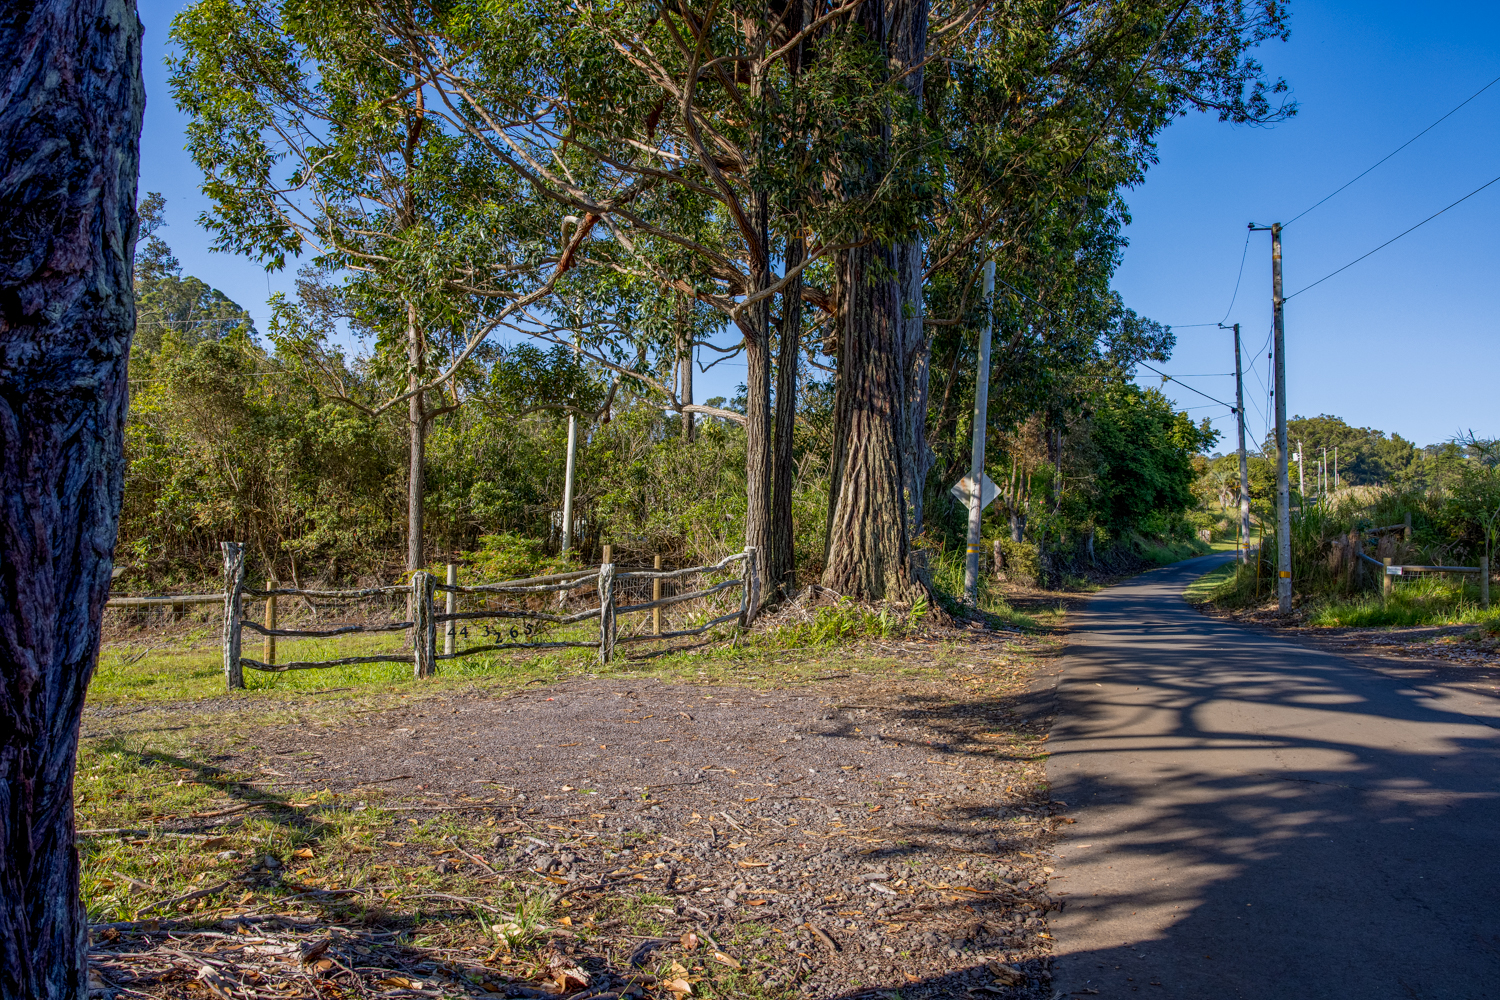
1283	485
1239	412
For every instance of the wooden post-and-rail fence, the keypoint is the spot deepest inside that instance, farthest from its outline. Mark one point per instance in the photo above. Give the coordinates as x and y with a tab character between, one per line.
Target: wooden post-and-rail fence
426	616
1389	572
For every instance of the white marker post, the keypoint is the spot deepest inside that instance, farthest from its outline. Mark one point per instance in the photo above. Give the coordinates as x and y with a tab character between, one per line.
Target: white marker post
976	462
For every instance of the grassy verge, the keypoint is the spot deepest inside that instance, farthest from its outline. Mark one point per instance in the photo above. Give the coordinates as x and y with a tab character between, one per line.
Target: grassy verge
1425	600
1206	586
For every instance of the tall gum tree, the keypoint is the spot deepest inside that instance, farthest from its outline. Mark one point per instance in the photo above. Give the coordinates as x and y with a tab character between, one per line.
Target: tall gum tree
71	107
312	125
693	143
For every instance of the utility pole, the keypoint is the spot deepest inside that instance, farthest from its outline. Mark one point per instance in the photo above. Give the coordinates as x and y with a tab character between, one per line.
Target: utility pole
976	461
1239	413
1335	467
1283	484
567	517
1323	475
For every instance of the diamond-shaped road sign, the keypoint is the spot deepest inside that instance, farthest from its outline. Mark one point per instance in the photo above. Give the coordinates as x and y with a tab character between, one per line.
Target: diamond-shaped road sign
964	488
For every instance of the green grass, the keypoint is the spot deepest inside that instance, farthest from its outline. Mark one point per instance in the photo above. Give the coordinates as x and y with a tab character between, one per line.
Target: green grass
1427	600
1163	553
1203	589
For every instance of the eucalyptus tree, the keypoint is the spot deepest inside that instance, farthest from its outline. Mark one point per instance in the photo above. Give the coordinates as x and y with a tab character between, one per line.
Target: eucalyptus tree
313	126
1027	110
71	106
701	154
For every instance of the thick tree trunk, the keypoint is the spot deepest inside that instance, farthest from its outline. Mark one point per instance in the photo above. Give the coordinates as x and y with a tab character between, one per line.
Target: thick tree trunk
868	553
783	547
876	467
70	124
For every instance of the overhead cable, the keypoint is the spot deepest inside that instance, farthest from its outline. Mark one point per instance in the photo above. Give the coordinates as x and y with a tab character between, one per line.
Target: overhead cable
1398	149
1393	239
1141	363
1170	378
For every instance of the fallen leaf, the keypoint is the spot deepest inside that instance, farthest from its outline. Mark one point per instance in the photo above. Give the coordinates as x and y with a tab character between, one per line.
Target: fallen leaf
323	964
755	902
679	986
565	921
678	969
400	983
724	959
689	940
302	852
754	864
571	978
214	843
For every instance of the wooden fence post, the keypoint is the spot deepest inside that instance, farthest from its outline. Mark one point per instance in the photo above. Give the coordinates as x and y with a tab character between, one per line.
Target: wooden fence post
1484	582
656	596
607	606
234	583
423	626
1388	584
750	591
268	653
450	627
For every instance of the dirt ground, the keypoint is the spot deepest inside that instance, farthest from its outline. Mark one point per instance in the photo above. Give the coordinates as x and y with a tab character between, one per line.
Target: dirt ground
883	827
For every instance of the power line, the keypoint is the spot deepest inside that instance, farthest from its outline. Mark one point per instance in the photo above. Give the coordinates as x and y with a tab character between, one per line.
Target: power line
1398	148
1237	279
1393	239
1141	363
1170	378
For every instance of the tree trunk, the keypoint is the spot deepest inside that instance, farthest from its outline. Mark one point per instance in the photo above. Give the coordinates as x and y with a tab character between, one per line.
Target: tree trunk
868	554
70	126
756	331
918	352
417	419
783	551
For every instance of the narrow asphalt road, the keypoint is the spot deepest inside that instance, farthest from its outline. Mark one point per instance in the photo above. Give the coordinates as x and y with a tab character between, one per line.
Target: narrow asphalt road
1260	820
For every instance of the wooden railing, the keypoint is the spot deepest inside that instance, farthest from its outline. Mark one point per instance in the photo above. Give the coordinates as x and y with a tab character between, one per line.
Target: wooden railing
425	619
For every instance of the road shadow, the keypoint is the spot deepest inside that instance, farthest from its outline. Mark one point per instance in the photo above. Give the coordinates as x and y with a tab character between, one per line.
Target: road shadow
1259	819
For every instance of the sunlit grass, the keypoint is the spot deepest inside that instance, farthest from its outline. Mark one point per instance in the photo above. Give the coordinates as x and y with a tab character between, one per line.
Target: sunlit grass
1429	600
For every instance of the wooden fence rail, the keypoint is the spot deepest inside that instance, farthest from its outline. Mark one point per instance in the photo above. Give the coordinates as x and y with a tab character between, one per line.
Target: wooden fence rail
1390	571
426	618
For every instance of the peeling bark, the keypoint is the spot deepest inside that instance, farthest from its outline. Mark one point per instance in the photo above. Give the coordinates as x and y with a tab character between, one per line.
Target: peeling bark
783	553
70	123
878	469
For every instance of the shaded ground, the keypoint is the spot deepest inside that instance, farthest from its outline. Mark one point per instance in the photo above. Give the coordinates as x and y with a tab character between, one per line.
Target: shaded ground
1257	819
1466	655
882	826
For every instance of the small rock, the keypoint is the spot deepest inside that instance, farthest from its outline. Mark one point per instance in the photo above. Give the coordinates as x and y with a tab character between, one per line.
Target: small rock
270	862
544	862
227	855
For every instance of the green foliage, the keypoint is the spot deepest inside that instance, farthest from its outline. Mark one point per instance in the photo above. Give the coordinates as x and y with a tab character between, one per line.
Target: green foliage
508	556
1366	457
1146	470
846	621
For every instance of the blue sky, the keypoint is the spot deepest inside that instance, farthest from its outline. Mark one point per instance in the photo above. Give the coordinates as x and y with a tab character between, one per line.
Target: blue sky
1404	341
